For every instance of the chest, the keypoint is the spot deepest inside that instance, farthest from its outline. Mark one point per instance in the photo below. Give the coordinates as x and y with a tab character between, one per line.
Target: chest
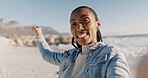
91	65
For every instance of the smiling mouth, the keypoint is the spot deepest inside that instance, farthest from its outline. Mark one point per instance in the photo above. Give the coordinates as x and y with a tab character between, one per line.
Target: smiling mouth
82	35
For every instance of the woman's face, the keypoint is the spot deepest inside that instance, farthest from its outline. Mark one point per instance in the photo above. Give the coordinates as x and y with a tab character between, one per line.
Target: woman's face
84	26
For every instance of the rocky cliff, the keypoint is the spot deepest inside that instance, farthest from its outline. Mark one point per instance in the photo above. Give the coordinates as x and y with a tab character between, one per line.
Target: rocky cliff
24	36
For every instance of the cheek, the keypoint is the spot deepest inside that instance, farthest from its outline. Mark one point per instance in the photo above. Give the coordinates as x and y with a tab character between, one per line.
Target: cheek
72	31
93	31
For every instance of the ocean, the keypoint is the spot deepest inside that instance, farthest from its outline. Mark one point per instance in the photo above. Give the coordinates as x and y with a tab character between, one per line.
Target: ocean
133	45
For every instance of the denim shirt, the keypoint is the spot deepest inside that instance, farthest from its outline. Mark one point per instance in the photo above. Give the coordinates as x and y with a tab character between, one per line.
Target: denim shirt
103	61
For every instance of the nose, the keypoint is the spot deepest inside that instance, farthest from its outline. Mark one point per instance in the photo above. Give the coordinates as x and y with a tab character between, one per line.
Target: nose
80	27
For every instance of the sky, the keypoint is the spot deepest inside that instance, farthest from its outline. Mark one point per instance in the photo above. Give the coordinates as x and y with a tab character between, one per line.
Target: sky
118	17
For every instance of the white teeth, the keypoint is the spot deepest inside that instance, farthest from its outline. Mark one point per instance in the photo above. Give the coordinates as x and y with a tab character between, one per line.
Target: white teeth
81	35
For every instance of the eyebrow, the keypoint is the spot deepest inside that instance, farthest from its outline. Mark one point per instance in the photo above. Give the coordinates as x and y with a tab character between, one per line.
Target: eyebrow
72	20
84	15
80	17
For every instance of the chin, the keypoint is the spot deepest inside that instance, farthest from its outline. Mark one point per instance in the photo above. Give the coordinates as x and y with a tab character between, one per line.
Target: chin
83	43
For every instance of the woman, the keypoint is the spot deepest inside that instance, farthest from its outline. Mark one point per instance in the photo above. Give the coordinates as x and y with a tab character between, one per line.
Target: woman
90	58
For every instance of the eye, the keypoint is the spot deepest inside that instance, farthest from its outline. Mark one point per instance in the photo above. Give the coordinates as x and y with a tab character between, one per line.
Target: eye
84	21
73	24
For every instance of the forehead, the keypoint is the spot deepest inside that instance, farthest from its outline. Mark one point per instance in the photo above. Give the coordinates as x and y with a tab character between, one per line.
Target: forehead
81	12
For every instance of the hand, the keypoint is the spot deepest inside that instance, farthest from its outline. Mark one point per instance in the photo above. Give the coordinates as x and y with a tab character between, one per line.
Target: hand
37	29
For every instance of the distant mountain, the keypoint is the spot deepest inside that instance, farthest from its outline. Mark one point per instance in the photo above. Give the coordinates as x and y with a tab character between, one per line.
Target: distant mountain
14	27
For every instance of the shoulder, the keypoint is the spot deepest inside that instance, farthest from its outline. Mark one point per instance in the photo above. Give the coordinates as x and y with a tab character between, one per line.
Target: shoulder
71	53
113	51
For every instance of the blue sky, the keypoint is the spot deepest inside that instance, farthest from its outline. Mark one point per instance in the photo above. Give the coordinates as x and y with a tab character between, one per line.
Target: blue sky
116	16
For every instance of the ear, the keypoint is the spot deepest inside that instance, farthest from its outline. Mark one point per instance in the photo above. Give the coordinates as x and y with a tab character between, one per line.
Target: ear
98	24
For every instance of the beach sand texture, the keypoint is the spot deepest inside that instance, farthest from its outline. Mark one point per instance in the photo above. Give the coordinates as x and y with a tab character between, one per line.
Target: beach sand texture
26	62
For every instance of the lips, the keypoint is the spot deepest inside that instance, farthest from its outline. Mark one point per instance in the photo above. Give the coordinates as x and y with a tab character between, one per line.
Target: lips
82	35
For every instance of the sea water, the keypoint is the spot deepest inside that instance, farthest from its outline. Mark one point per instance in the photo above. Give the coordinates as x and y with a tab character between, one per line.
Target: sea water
133	45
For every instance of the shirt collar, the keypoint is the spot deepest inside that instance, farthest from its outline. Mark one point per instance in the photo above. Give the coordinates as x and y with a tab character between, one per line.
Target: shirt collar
94	46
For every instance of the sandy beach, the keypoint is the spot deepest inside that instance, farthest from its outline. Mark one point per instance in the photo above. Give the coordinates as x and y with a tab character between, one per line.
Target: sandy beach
26	62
